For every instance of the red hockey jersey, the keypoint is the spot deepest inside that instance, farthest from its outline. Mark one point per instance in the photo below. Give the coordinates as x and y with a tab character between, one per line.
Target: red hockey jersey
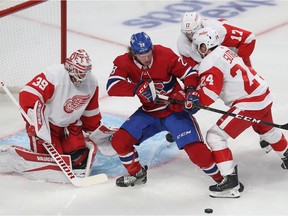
165	70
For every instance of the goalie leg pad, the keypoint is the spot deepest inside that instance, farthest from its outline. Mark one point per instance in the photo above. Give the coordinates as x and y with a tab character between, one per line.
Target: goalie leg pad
79	158
37	166
83	159
102	138
91	156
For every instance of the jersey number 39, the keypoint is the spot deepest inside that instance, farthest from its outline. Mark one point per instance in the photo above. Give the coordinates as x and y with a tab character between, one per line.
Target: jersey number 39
40	83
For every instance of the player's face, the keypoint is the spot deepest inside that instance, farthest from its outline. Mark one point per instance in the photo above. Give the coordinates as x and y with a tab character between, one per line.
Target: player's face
202	49
145	59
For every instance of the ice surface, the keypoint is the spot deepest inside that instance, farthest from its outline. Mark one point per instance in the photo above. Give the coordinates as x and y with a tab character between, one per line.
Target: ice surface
175	186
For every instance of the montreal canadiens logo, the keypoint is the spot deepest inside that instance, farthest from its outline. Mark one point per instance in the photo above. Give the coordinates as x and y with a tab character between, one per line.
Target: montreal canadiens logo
76	102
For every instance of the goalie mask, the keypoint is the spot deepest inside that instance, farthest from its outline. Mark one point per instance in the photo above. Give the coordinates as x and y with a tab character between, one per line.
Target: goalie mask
190	23
78	66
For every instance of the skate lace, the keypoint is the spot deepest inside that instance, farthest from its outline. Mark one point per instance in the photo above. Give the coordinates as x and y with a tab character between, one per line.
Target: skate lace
222	182
129	179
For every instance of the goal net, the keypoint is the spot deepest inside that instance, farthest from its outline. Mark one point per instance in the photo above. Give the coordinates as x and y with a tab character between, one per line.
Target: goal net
33	36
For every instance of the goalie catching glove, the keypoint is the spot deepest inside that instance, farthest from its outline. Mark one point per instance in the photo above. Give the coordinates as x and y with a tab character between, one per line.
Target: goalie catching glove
40	128
102	138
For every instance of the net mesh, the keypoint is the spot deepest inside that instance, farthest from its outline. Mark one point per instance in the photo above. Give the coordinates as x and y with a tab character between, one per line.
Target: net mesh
30	41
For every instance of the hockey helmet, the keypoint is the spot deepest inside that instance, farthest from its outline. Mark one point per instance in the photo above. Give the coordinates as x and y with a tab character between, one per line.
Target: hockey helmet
207	36
190	23
140	43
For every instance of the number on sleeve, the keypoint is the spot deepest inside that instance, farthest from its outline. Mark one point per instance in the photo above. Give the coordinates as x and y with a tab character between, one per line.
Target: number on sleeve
236	35
182	62
207	80
41	83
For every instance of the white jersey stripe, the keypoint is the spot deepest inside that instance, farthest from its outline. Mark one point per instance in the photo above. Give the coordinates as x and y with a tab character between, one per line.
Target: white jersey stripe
32	91
89	113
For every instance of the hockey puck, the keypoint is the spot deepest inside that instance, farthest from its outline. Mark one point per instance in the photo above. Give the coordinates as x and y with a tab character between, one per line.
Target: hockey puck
169	137
208	210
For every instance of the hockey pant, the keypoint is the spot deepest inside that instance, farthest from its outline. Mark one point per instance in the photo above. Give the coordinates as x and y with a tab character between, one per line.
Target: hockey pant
232	127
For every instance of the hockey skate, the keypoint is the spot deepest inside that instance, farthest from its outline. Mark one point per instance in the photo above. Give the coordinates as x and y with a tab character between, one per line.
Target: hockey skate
265	146
228	188
284	165
241	187
131	180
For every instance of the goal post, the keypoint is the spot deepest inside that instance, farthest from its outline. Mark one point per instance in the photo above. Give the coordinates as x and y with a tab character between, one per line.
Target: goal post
33	36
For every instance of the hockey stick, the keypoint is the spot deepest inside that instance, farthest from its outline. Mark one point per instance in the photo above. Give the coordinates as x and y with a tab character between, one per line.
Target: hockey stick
165	99
76	181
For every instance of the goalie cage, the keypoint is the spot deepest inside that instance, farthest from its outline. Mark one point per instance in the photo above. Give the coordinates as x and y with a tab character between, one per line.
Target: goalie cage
33	36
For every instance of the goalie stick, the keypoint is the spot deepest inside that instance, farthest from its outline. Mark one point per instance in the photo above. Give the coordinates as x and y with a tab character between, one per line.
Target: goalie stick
165	99
76	181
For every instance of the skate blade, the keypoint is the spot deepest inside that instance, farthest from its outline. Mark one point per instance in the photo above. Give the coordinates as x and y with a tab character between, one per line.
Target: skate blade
232	193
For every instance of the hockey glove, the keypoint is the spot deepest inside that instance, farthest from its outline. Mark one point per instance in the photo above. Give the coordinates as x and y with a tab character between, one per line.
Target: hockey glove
191	99
178	96
31	132
143	91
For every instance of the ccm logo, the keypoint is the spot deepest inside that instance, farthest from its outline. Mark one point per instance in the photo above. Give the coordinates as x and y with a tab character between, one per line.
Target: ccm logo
183	134
248	118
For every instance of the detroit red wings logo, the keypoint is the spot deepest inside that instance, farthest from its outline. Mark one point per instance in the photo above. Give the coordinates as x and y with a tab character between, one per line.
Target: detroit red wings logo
76	102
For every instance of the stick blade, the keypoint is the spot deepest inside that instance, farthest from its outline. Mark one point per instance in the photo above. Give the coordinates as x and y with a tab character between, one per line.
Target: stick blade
89	181
152	89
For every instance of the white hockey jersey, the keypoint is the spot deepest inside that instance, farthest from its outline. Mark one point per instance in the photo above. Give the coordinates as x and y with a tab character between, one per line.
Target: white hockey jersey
239	40
224	75
65	103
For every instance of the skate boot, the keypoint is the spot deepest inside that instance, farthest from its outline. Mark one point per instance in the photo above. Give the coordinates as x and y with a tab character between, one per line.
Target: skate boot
265	146
227	188
284	165
131	180
241	187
